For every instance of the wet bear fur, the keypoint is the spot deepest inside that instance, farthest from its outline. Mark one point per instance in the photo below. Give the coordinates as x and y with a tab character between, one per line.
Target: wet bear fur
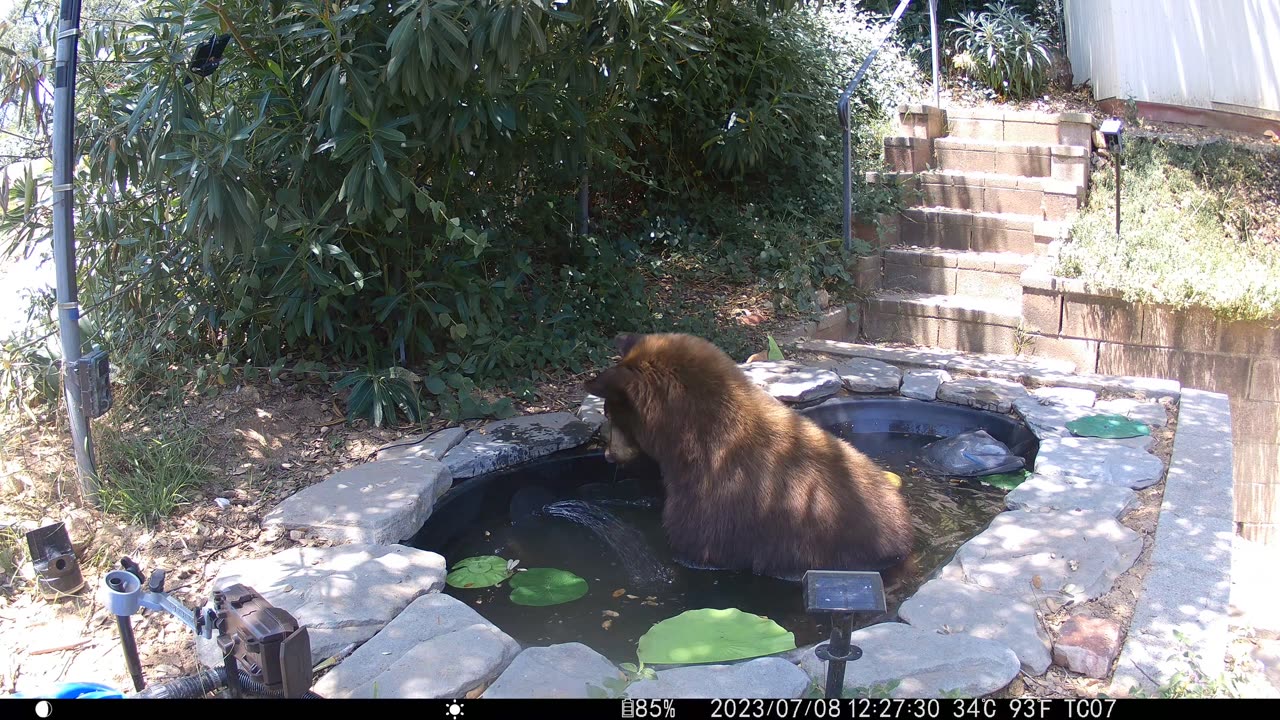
750	483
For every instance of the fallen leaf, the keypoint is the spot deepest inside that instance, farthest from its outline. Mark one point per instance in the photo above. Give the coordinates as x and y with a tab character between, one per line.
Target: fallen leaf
1036	582
619	592
611	613
606	624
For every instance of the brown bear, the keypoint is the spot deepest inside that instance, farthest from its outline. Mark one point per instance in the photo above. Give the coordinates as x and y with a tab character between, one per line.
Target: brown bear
750	483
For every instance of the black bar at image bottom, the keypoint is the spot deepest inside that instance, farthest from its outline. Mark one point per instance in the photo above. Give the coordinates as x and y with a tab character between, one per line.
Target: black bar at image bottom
711	709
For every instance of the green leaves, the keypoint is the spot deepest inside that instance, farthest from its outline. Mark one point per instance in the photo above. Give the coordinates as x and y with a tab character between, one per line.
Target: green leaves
478	572
1107	426
708	635
546	586
376	396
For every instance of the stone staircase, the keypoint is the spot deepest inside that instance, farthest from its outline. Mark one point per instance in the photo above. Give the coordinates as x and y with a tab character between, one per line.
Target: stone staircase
994	191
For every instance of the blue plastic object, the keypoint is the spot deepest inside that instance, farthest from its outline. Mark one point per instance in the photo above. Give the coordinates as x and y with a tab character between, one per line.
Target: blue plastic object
77	691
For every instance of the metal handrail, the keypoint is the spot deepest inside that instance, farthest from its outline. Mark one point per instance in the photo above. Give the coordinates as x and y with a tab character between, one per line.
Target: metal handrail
842	110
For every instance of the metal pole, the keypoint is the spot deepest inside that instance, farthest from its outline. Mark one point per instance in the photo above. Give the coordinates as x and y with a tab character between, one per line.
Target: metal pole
64	242
933	41
131	659
1117	161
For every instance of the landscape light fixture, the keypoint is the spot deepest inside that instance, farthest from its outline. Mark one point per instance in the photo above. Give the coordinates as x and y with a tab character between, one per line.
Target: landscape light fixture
1113	133
843	594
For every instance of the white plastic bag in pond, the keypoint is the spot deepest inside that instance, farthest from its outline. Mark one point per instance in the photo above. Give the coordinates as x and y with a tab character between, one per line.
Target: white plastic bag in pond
970	454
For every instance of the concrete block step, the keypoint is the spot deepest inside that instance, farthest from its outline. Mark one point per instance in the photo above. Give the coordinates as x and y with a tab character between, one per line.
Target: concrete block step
1061	162
953	229
995	275
1067	128
958	322
1039	197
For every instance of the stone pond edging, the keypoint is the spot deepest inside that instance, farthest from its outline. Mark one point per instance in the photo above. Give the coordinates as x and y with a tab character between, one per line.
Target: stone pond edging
377	607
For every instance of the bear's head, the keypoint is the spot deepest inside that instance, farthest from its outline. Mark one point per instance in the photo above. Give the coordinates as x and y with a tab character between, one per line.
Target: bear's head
616	386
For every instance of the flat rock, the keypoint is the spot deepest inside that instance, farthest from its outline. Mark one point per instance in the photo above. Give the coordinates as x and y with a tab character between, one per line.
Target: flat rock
983	393
1048	418
1066	396
438	647
915	357
425	447
792	382
864	375
769	677
567	670
951	607
924	384
1050	493
1008	367
1143	387
1109	461
591	411
1060	558
509	442
344	594
381	502
1150	412
926	663
1087	646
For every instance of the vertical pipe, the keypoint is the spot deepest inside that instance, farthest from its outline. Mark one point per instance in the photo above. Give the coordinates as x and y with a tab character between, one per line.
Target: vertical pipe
848	190
64	242
1117	161
841	629
933	43
131	659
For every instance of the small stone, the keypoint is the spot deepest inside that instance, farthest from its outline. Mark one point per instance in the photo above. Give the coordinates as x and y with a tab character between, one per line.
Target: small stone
991	394
222	503
424	447
792	382
924	384
1101	459
769	677
568	670
925	663
864	375
1047	493
1087	646
591	411
297	535
503	443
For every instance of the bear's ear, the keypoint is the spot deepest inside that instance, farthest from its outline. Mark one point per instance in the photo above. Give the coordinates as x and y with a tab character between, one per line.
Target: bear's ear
611	385
625	341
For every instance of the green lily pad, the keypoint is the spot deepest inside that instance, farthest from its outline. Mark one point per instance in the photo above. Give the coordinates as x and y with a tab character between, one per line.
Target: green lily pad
478	572
546	586
1006	481
1108	426
708	635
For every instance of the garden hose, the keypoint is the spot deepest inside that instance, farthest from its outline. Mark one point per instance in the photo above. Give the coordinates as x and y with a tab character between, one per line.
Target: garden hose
199	685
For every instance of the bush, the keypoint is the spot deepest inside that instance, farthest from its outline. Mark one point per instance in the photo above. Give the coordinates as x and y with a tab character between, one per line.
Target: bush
394	186
1004	50
1191	229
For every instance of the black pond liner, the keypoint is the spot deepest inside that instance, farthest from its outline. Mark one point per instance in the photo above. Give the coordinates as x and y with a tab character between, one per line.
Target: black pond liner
495	514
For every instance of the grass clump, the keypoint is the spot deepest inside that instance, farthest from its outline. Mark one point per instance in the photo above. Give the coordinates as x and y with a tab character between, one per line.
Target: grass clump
1196	229
146	474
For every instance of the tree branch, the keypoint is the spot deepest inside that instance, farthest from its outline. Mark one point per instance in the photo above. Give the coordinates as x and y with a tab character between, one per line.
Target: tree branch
235	31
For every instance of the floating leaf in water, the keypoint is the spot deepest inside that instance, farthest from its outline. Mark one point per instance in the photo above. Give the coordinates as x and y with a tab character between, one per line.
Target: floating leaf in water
709	635
1006	481
478	572
894	478
546	586
1108	426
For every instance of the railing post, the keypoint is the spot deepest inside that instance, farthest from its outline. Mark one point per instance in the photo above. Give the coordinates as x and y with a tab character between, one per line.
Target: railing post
933	42
842	110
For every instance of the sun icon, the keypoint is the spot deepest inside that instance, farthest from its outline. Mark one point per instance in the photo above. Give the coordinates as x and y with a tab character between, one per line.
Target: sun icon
453	709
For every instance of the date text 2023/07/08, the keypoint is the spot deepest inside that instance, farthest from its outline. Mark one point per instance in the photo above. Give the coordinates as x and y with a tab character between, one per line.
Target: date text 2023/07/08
711	709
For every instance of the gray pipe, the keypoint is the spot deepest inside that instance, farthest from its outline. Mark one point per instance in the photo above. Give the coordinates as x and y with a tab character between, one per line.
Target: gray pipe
64	241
